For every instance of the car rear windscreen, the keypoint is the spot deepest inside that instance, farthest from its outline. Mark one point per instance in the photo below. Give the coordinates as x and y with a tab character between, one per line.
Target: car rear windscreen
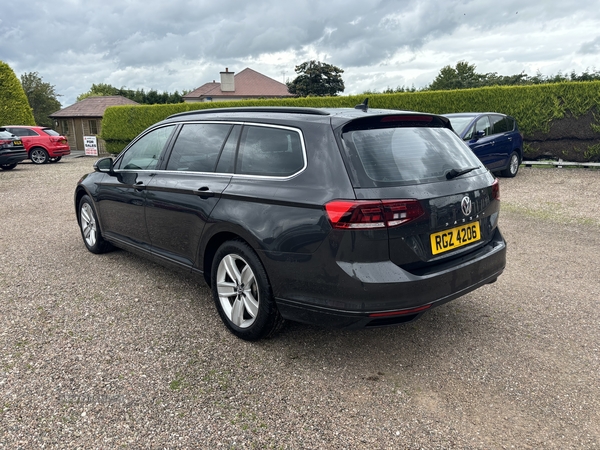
405	155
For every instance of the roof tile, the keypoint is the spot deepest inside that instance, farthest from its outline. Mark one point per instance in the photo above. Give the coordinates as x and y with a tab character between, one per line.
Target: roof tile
248	83
92	106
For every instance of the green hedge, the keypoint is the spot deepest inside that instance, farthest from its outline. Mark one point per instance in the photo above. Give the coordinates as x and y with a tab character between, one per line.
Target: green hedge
14	106
534	107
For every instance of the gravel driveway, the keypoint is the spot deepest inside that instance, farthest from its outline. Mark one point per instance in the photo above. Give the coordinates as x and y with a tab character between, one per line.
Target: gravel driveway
113	351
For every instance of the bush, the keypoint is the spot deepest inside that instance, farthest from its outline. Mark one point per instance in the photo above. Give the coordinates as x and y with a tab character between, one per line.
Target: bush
14	107
535	107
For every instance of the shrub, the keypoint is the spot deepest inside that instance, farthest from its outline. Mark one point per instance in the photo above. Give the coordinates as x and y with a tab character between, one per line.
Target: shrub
535	107
14	107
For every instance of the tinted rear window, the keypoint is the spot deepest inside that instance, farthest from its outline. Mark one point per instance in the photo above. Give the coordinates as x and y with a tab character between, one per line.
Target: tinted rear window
402	156
198	146
269	151
50	132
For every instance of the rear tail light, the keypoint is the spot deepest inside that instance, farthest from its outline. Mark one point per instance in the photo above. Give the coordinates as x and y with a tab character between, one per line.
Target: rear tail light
496	189
359	214
2	141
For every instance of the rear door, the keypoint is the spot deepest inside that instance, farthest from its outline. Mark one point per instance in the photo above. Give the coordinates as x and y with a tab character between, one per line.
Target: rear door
502	141
29	137
181	197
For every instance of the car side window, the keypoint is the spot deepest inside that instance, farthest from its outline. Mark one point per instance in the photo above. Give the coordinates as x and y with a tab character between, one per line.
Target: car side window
269	151
510	123
499	124
144	154
483	124
197	147
22	132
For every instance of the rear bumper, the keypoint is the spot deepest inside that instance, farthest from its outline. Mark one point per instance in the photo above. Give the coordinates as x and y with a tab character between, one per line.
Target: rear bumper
59	151
381	293
12	157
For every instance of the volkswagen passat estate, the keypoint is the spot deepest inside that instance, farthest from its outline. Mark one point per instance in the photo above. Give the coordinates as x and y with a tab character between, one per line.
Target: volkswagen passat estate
337	217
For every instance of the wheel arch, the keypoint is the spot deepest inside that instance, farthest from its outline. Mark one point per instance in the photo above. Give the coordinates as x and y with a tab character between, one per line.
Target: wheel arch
79	193
37	146
211	247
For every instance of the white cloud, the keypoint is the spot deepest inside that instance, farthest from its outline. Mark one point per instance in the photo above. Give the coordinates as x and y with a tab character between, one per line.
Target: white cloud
182	44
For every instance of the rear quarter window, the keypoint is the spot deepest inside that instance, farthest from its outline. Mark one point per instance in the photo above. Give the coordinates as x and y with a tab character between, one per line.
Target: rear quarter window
270	151
51	132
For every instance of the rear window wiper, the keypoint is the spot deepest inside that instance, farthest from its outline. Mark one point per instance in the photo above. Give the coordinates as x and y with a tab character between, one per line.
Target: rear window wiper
457	173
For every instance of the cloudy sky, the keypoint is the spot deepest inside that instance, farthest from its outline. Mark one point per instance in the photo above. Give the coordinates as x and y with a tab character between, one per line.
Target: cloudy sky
182	44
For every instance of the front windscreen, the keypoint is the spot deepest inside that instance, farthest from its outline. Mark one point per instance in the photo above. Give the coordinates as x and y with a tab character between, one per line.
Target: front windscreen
406	155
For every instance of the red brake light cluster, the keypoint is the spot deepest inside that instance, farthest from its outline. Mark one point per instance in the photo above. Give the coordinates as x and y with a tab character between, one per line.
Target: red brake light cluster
496	189
366	214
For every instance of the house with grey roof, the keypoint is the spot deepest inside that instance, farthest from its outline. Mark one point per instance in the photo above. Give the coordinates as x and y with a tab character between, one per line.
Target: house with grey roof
84	118
247	84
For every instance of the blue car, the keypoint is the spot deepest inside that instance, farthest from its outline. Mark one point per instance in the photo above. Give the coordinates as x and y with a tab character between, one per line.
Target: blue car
493	137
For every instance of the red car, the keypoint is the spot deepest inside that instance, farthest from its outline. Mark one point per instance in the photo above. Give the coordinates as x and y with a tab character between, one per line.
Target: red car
43	144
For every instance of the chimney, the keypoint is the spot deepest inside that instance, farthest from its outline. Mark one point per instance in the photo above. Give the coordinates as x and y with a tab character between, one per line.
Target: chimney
227	81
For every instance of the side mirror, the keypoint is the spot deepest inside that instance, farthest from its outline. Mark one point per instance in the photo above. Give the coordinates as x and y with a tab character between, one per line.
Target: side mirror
479	134
104	165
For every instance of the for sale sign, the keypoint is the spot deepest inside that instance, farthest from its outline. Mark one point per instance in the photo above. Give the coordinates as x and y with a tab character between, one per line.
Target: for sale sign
91	145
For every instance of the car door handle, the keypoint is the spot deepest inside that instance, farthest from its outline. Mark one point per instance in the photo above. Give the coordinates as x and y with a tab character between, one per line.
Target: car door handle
204	192
139	186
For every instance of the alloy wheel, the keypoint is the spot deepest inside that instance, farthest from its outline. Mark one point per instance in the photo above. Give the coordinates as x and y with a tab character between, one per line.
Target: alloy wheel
88	224
238	290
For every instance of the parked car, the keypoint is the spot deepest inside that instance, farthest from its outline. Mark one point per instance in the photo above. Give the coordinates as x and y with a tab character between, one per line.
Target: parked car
337	217
43	144
12	151
493	137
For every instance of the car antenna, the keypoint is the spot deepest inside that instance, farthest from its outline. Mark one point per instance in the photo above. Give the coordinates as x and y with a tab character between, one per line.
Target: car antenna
364	106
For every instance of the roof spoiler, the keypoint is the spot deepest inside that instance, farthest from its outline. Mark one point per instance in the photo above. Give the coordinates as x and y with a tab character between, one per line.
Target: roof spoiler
364	106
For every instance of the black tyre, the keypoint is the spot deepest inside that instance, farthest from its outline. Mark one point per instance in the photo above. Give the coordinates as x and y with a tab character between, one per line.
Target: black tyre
242	292
90	230
513	166
8	166
38	155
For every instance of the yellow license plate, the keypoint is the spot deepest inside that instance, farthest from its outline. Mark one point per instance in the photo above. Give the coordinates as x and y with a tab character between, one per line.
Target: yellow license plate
452	238
17	142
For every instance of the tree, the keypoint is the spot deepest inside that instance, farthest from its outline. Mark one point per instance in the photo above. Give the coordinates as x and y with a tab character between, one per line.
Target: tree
316	79
463	76
42	98
14	107
152	97
99	90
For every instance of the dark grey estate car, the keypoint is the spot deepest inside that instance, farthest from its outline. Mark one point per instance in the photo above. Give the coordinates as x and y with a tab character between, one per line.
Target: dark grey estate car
337	217
12	151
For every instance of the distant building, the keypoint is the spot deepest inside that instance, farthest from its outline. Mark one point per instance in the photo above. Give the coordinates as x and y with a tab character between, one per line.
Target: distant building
245	85
84	118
